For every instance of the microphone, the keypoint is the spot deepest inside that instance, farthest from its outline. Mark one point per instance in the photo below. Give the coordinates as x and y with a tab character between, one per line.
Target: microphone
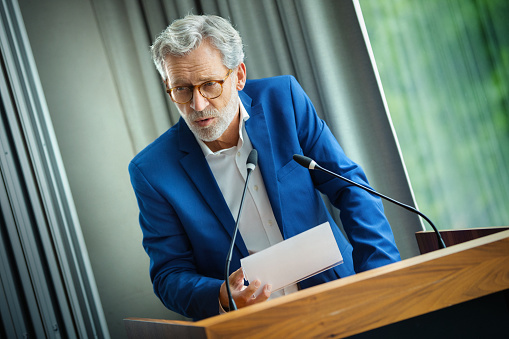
252	161
311	164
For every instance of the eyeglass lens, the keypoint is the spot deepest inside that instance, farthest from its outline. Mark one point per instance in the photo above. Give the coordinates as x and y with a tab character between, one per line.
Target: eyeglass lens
210	90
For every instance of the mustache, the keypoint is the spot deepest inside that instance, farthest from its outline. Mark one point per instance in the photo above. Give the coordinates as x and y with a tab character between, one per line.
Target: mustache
206	113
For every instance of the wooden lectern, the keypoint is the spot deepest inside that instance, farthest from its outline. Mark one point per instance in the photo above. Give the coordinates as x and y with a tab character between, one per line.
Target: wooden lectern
427	240
404	299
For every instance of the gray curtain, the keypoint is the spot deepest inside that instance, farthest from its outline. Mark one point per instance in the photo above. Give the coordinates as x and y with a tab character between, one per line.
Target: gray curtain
47	285
106	102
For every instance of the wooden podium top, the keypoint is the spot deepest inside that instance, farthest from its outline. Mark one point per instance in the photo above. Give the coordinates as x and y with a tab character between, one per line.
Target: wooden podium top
359	303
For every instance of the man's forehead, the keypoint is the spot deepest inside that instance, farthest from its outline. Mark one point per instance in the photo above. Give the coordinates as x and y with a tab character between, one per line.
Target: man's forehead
193	74
203	62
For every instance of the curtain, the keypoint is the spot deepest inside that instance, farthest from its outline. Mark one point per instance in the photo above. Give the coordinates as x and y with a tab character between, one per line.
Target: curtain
47	287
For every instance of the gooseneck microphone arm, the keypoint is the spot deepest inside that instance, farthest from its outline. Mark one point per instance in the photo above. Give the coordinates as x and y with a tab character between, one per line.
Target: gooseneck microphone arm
252	161
311	164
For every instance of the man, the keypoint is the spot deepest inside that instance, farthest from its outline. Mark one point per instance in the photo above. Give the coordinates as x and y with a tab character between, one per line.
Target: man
189	181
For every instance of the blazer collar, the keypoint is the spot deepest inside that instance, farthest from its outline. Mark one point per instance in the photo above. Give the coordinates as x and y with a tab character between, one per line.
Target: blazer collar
259	134
194	163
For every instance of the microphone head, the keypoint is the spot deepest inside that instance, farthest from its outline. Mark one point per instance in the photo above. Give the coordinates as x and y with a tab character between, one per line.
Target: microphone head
304	161
252	160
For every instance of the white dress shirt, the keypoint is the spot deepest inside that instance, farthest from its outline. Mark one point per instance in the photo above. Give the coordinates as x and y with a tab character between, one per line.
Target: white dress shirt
257	225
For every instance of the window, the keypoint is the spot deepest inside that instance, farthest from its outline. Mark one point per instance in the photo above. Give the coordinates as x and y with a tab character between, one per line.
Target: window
444	67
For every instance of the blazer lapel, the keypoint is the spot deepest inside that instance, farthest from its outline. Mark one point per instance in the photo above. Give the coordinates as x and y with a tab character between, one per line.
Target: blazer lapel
196	166
258	132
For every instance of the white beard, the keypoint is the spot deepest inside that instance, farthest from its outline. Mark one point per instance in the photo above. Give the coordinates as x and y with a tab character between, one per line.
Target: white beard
224	117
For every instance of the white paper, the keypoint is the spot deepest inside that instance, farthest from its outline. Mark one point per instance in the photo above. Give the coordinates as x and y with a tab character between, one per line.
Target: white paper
294	259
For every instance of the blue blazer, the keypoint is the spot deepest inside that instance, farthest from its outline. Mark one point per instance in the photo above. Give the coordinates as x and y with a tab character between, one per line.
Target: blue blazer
187	225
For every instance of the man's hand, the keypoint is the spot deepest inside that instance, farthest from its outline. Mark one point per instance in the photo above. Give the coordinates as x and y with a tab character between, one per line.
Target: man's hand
242	295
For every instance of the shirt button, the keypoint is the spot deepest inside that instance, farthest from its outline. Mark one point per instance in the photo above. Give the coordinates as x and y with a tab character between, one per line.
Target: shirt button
256	188
238	154
270	223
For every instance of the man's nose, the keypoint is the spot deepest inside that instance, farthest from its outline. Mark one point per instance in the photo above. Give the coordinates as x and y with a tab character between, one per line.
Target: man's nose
198	103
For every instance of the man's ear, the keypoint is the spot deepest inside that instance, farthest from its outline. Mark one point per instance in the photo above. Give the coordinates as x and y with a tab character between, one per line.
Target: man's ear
241	77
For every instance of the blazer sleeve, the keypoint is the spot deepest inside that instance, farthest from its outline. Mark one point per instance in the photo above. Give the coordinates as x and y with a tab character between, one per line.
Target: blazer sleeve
172	264
361	213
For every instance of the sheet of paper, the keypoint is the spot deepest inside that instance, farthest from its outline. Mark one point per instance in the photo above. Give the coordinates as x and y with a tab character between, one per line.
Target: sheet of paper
294	259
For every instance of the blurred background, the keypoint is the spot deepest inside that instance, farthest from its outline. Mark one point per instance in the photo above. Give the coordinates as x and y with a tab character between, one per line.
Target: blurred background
444	66
415	92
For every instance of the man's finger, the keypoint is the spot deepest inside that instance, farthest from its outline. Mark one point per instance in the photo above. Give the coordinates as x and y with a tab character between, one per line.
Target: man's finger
251	288
236	279
263	296
237	275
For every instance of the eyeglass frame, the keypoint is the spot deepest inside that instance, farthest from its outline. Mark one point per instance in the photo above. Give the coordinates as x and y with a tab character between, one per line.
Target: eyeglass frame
220	82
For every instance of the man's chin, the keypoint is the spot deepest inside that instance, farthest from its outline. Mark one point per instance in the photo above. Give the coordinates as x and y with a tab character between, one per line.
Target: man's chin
205	134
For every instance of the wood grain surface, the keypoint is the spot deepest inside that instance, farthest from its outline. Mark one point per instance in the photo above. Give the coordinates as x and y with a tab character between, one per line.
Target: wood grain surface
365	301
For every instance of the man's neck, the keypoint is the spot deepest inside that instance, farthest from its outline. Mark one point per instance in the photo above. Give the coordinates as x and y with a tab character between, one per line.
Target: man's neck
229	139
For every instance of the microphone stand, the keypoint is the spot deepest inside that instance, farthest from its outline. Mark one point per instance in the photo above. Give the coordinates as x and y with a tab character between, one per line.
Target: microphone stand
311	164
251	162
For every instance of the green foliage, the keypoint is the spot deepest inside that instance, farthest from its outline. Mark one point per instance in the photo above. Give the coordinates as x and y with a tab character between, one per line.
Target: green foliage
444	66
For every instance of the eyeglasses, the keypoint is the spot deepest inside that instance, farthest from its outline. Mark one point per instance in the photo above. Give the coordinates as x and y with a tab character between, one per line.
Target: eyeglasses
210	90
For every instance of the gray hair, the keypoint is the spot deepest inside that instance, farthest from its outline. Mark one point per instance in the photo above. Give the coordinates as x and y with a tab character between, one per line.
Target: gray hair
186	34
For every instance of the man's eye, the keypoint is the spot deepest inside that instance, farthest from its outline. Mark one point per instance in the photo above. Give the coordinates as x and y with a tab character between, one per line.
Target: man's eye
181	89
209	84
